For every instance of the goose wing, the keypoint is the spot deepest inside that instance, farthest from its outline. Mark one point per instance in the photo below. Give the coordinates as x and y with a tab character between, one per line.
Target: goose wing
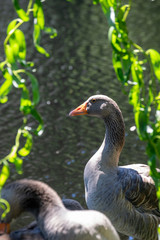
139	187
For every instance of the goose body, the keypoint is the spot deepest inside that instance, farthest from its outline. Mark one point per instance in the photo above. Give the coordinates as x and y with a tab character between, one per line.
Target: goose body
53	219
126	194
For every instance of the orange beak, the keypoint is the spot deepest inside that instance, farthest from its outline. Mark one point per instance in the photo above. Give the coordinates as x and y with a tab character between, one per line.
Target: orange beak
4	228
81	110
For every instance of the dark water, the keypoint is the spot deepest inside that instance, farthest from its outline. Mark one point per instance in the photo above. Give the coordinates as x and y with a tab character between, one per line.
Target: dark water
80	66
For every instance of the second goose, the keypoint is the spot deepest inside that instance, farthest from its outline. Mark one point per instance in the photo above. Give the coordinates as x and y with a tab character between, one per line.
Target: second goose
53	219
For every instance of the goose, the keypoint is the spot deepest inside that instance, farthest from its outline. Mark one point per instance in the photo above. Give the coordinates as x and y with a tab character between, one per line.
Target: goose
54	220
125	194
32	231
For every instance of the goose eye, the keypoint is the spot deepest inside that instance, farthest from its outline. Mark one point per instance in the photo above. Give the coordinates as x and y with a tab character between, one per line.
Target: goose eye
93	100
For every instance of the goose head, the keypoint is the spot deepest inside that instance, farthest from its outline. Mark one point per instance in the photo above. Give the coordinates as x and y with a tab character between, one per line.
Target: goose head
107	109
97	105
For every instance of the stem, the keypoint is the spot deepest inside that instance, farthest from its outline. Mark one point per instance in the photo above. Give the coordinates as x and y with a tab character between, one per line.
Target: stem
29	7
127	11
19	71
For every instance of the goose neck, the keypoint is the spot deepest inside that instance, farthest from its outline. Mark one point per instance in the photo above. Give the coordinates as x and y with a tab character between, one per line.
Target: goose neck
113	141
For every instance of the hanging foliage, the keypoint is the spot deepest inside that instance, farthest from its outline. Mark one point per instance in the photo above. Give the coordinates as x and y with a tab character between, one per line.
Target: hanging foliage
130	62
17	71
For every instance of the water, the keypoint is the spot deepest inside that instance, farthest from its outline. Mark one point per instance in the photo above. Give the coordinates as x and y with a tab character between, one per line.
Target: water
80	66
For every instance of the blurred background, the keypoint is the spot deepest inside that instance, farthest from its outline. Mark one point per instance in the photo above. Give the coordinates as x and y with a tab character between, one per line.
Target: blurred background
80	66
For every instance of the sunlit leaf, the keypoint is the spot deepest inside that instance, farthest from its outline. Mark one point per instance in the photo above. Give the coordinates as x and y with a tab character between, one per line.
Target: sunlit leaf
18	44
36	37
36	34
4	204
134	95
137	73
25	104
21	13
155	59
20	38
94	1
11	26
4	175
2	64
5	88
42	50
4	99
28	145
18	164
13	154
38	14
112	3
51	31
115	42
121	12
9	54
118	66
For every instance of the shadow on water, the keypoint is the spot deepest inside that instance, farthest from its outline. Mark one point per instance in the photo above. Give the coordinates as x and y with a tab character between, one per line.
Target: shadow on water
80	66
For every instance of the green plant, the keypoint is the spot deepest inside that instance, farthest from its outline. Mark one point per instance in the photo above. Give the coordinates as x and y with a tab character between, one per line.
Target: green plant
130	62
17	71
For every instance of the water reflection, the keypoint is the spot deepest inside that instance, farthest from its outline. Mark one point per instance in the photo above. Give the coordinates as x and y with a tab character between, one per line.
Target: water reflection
79	67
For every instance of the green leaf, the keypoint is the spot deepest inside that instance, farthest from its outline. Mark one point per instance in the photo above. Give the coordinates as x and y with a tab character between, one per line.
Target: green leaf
2	64
134	96
18	44
36	38
40	127
141	120
111	3
115	41
137	73
21	13
6	86
9	54
4	100
17	81
35	88
121	12
151	94
4	175
155	59
150	149
25	104
28	145
51	31
105	7
95	2
18	162
20	39
11	26
4	204
36	34
42	50
157	147
118	66
38	14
